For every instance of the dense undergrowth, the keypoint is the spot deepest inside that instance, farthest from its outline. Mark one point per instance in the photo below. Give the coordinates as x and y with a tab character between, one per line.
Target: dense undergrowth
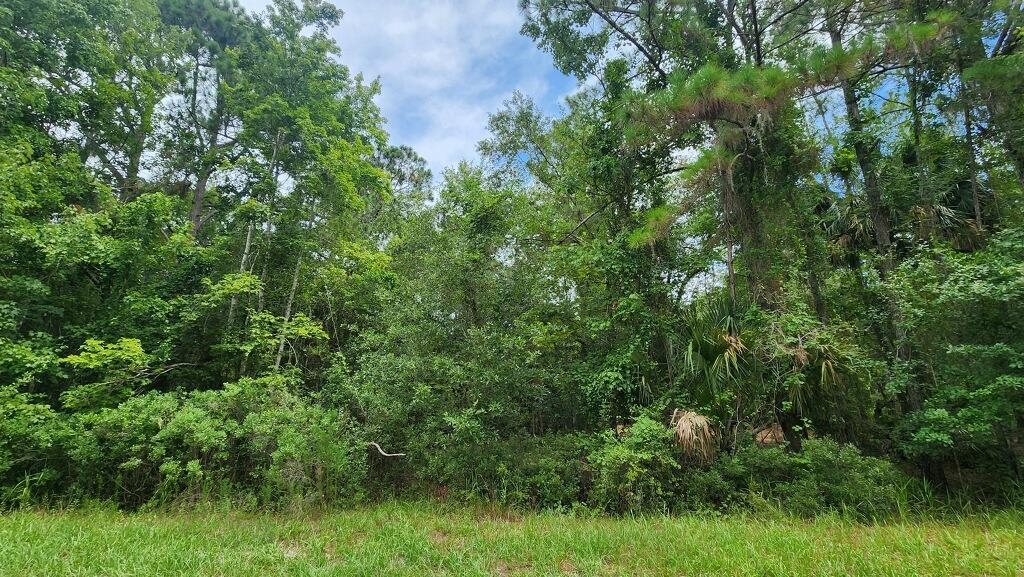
254	445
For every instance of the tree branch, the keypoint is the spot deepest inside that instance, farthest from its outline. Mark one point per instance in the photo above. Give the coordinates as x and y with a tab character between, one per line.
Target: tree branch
615	26
383	452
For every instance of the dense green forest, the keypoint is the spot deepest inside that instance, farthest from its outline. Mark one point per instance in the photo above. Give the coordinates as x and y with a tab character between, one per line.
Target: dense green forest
771	252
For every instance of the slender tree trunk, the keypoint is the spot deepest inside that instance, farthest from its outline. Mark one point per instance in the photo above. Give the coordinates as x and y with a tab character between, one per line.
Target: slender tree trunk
756	33
261	299
814	283
923	197
972	159
730	249
241	269
198	196
972	162
131	186
729	265
267	224
864	147
207	166
288	312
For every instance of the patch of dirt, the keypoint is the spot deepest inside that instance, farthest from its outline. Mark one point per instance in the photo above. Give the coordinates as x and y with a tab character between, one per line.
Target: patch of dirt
399	562
439	537
290	549
331	550
446	541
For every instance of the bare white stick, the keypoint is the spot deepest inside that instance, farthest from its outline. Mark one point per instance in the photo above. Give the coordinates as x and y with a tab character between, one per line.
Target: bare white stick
382	452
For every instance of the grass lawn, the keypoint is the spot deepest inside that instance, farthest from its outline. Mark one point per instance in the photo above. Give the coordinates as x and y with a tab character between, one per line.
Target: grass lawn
425	539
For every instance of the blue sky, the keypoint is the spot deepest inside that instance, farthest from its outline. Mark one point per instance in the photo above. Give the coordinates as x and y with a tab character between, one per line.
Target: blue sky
444	65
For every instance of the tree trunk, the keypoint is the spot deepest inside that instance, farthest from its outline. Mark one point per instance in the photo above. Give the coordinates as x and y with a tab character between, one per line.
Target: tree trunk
972	159
241	269
788	423
198	196
207	166
288	313
864	147
270	215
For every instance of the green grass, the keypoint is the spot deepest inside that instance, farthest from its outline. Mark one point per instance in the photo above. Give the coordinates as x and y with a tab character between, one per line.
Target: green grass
425	539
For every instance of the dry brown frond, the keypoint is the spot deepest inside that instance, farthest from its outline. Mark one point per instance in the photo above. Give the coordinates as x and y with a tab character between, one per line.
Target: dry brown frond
800	356
694	434
734	343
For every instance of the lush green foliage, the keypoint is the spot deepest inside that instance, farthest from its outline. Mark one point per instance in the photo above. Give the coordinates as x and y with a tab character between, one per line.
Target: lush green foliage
253	442
772	253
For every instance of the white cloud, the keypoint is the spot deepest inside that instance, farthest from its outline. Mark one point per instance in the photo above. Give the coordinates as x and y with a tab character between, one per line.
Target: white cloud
444	65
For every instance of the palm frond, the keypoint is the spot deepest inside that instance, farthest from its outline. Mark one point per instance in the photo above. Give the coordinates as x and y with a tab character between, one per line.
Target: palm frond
694	434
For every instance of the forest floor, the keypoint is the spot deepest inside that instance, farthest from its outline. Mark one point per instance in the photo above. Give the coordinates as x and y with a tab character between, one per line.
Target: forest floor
437	539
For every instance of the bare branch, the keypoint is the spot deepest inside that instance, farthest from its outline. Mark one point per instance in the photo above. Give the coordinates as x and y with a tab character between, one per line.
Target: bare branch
584	222
385	453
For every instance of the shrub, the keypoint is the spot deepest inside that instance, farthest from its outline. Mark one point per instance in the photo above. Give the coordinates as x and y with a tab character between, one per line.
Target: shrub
30	439
254	438
112	453
300	451
704	489
522	471
635	472
825	476
547	472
